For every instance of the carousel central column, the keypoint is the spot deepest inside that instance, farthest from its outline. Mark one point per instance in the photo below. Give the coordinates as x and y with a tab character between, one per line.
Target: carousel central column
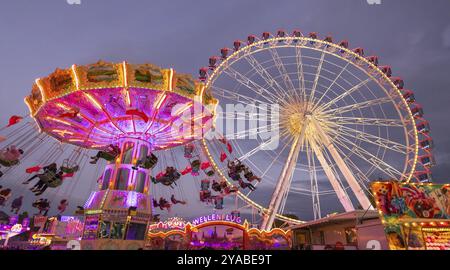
121	209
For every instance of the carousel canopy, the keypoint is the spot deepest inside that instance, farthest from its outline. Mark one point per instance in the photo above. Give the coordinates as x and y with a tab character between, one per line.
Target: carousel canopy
92	106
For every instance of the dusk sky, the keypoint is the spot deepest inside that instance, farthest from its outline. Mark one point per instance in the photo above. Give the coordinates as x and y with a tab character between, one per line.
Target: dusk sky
412	36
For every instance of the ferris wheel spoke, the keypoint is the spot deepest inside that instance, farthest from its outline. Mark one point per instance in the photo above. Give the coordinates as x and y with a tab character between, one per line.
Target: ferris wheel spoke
245	81
313	184
316	104
370	138
355	170
347	173
316	78
273	160
244	113
240	116
359	105
282	70
252	132
240	98
360	175
263	73
283	184
345	120
370	158
300	73
258	148
270	165
346	93
332	178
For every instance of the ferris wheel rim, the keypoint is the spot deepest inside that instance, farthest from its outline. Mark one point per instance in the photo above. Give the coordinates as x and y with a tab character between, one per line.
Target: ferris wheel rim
324	44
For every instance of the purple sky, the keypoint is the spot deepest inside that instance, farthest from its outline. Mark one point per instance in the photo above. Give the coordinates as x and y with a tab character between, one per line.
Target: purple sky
410	35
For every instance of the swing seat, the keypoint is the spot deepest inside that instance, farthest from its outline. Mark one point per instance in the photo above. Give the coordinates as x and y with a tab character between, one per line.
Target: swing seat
188	150
165	180
196	163
50	180
68	169
46	178
219	206
55	182
150	163
154	180
234	176
167	183
205	195
9	163
204	184
216	187
107	156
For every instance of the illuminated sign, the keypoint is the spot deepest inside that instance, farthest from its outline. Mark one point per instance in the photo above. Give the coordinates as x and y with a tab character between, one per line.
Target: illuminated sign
169	224
90	227
16	228
132	199
38	239
217	217
67	218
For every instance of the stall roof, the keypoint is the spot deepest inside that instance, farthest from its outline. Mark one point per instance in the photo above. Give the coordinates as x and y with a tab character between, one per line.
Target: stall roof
339	218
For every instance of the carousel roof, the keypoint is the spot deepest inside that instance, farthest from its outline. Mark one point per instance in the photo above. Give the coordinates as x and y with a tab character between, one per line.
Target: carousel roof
92	106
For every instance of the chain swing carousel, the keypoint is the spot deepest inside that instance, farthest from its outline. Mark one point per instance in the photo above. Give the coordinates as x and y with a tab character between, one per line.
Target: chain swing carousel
140	122
125	112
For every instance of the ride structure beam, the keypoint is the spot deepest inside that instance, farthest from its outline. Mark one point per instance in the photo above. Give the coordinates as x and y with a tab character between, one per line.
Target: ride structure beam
348	175
283	182
340	192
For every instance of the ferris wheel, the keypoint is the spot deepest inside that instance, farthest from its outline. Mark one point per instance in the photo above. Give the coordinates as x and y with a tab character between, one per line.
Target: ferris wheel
313	119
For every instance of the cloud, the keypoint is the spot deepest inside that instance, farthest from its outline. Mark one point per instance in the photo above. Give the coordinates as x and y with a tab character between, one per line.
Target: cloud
446	37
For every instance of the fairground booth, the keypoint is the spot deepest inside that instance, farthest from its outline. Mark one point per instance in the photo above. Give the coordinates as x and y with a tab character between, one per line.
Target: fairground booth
13	228
356	230
415	216
215	231
40	232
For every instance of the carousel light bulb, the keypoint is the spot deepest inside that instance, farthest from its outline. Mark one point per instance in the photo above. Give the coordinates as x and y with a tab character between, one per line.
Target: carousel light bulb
128	96
58	120
93	100
160	100
77	81
182	109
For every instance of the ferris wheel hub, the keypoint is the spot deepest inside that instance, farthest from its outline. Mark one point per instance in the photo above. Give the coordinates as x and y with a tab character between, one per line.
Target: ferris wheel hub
294	116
